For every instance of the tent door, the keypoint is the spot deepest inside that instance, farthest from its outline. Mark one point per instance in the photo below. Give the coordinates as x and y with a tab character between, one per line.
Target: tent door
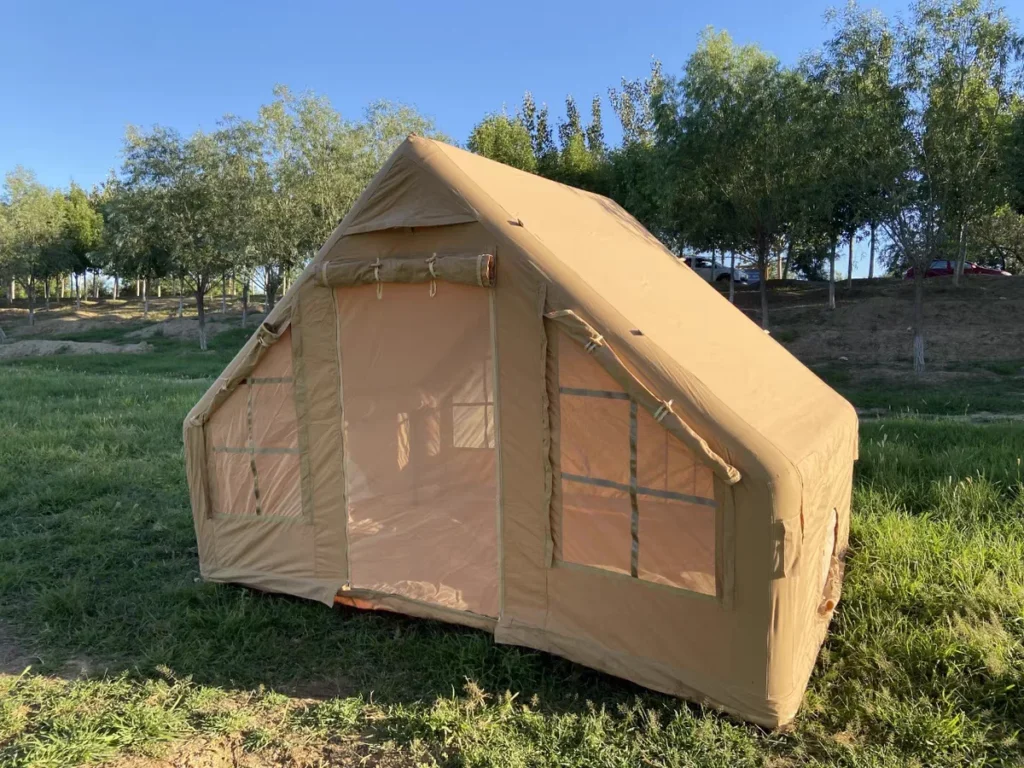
421	465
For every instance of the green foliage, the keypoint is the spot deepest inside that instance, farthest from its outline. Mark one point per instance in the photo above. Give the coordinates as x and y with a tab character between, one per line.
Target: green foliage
32	238
999	239
83	227
505	139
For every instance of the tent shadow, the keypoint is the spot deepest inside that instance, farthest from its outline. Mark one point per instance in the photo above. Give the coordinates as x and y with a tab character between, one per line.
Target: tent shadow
394	659
238	639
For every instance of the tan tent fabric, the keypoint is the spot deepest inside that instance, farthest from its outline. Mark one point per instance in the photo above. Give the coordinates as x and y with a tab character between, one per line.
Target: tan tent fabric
591	453
421	463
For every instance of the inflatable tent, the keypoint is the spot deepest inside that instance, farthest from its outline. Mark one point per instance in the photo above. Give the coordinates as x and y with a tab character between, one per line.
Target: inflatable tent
499	401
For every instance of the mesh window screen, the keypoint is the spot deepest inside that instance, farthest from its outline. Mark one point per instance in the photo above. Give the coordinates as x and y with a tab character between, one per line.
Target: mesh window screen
252	442
634	499
420	443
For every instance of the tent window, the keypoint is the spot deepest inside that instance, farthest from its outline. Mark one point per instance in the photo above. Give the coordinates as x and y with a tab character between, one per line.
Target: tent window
635	500
473	409
252	442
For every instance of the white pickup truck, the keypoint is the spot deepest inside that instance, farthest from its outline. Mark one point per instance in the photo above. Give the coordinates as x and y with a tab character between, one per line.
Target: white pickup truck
702	266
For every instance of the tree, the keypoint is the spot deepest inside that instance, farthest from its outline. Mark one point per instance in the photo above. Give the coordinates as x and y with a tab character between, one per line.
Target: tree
962	58
385	125
634	104
177	199
504	139
732	124
854	148
999	240
595	130
543	145
131	243
7	249
917	235
306	167
33	232
83	233
635	176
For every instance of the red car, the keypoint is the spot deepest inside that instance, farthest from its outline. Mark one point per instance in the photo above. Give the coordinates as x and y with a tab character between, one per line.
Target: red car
941	267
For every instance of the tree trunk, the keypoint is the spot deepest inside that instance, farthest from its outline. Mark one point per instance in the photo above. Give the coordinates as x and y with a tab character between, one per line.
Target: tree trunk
961	255
849	274
714	254
762	266
138	287
224	294
145	299
181	299
789	258
78	293
245	302
46	293
273	281
96	278
159	288
63	285
871	258
778	264
10	293
201	307
732	270
832	275
31	290
918	322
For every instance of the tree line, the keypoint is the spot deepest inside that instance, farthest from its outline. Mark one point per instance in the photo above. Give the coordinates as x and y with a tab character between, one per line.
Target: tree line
907	133
247	204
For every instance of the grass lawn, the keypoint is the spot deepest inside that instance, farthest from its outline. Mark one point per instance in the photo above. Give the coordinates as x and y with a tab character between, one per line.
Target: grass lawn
136	662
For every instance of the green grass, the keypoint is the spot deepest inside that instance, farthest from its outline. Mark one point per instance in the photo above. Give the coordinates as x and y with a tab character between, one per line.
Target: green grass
924	665
1003	393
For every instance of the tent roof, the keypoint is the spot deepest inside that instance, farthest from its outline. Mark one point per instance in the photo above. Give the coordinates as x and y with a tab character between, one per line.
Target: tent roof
592	247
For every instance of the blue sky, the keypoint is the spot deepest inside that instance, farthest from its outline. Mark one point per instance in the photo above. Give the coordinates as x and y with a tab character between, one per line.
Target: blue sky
74	74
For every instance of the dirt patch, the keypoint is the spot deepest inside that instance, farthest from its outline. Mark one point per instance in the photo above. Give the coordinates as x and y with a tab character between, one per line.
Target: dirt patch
68	320
871	325
320	690
43	348
903	373
14	658
188	327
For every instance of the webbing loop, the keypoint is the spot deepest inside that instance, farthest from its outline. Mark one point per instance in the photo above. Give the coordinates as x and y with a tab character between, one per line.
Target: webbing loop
433	274
594	343
376	276
663	411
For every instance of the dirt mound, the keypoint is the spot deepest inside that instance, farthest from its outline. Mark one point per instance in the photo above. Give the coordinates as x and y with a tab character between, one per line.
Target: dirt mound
42	348
66	322
871	325
188	327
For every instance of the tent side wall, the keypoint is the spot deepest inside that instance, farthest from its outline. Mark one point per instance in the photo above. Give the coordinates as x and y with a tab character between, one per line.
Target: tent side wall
808	573
296	553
